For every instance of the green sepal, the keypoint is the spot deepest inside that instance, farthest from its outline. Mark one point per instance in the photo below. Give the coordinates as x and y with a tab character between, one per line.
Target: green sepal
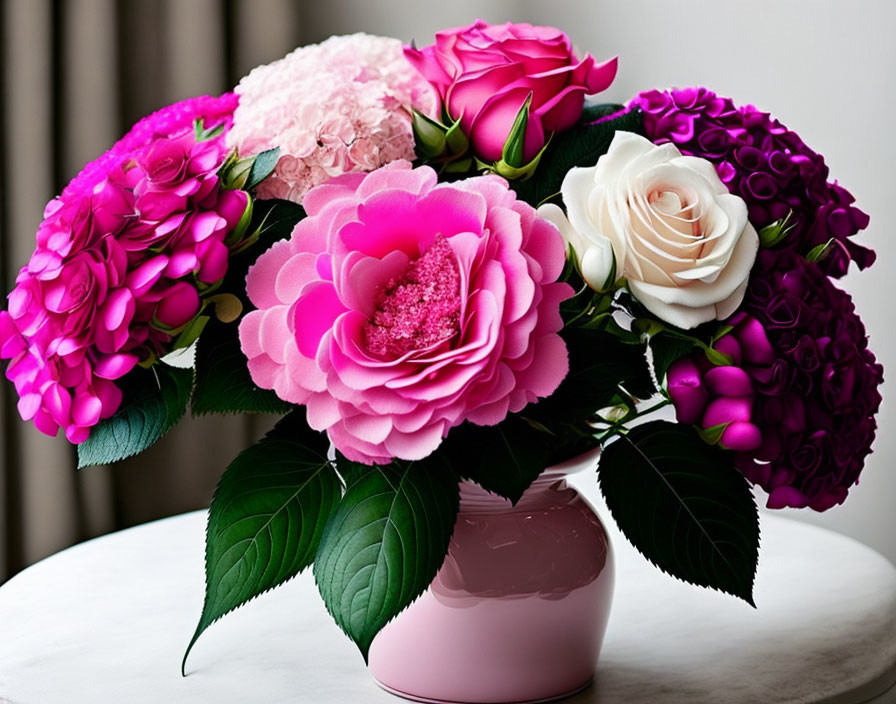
202	134
429	134
191	333
242	226
459	166
719	359
456	140
512	173
712	436
774	233
819	252
234	172
514	145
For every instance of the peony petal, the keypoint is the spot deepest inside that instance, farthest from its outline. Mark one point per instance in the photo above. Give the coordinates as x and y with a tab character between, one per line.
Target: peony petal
313	314
274	333
293	275
262	277
416	445
370	428
323	411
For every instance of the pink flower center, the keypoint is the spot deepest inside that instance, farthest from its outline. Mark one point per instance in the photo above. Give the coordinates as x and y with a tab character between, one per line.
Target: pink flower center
418	309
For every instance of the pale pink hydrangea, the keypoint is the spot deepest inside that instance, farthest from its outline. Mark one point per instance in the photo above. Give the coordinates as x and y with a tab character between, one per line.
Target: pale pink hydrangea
332	108
400	308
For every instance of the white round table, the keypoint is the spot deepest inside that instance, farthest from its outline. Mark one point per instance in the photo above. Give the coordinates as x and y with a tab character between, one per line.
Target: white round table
107	621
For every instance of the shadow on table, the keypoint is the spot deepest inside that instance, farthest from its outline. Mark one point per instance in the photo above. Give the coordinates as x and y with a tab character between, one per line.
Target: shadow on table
622	683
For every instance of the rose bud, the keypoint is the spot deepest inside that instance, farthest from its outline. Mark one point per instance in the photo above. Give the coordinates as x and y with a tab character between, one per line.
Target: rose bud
686	390
727	410
730	346
728	381
741	436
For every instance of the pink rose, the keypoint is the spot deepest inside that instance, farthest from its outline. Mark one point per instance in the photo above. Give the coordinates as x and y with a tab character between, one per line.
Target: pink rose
399	308
484	73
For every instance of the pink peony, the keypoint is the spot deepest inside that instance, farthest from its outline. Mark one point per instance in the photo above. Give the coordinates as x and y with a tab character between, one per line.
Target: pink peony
332	108
399	308
484	73
121	260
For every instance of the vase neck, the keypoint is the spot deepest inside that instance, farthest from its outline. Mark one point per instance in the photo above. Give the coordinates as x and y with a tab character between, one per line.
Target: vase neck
543	491
549	488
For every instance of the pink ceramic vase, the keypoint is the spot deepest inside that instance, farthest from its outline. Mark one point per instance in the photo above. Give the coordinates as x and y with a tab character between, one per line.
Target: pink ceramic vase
518	611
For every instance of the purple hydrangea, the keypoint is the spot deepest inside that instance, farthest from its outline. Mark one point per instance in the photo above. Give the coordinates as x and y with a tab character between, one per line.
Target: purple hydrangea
817	401
814	386
767	165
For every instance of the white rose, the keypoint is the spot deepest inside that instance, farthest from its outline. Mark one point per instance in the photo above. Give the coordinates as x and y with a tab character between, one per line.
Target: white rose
680	239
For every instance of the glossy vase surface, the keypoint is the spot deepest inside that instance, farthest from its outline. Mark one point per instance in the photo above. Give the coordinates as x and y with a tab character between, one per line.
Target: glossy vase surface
518	611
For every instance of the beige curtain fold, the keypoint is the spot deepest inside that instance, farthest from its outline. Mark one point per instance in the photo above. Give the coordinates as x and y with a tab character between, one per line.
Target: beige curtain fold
76	74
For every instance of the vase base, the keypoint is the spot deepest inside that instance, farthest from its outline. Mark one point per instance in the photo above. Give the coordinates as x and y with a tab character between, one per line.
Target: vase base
430	700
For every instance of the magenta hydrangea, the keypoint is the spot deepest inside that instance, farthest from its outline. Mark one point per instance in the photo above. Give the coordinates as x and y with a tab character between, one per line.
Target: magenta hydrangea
803	390
767	165
122	257
213	111
399	308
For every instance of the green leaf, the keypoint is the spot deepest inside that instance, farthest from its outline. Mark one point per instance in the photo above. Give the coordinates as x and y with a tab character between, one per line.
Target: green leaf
599	364
223	383
503	459
581	145
384	545
684	506
267	517
350	471
154	400
263	166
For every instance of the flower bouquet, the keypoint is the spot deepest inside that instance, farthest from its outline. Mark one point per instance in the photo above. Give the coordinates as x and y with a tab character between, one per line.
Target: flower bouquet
449	268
